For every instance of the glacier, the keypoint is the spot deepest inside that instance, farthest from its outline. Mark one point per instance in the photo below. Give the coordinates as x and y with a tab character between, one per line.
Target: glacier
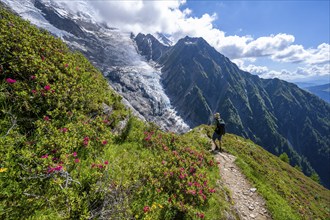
114	52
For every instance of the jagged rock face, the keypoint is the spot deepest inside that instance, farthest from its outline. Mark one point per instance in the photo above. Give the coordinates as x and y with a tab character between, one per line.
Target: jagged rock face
115	54
273	113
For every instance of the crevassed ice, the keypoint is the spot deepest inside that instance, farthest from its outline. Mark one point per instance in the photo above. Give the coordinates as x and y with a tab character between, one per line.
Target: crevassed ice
147	97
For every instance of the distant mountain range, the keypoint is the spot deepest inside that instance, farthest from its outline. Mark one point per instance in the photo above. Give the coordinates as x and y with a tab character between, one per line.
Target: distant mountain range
185	83
273	113
322	91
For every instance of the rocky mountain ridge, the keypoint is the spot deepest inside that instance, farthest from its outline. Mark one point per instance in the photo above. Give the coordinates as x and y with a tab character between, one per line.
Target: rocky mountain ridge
273	113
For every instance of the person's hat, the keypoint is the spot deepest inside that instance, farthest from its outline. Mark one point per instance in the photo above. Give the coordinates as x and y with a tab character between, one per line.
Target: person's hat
217	115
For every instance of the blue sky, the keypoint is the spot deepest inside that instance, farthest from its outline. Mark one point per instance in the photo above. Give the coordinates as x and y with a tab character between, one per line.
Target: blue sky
307	21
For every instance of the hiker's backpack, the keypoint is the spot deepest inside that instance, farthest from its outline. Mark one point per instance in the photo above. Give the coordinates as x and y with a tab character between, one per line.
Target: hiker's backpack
221	127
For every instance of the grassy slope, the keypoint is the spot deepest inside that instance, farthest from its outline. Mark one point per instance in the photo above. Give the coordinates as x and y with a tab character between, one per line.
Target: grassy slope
124	166
288	192
62	156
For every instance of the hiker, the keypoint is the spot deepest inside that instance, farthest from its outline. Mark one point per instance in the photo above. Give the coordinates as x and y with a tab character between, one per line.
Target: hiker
218	132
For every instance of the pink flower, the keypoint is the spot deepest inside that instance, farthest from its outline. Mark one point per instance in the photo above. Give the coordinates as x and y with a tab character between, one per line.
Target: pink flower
192	192
64	130
34	91
76	160
74	154
106	162
163	162
42	57
46	118
44	156
212	190
66	65
146	209
10	81
86	140
50	169
58	168
33	77
104	142
47	87
100	166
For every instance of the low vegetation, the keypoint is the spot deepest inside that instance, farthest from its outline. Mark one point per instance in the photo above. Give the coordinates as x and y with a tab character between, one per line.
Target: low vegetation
71	150
289	194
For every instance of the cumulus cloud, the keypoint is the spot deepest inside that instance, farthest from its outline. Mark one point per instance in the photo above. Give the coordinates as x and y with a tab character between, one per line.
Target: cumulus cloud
303	72
171	18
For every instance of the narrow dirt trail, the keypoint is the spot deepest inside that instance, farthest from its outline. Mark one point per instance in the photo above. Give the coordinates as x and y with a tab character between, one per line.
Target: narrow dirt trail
247	202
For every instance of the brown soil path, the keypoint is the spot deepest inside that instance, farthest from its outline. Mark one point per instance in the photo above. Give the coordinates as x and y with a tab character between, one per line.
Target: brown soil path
247	202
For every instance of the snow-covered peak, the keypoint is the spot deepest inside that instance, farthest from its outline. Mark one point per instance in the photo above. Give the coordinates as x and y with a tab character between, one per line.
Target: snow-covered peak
163	39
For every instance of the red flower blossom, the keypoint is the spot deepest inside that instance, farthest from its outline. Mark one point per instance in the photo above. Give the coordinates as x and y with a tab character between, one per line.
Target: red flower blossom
66	65
46	118
10	81
74	154
212	190
76	160
200	215
47	87
34	91
33	77
106	162
58	168
44	156
146	209
104	142
42	57
52	169
86	140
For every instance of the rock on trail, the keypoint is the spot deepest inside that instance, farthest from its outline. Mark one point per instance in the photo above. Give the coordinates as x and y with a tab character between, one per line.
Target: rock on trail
247	202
